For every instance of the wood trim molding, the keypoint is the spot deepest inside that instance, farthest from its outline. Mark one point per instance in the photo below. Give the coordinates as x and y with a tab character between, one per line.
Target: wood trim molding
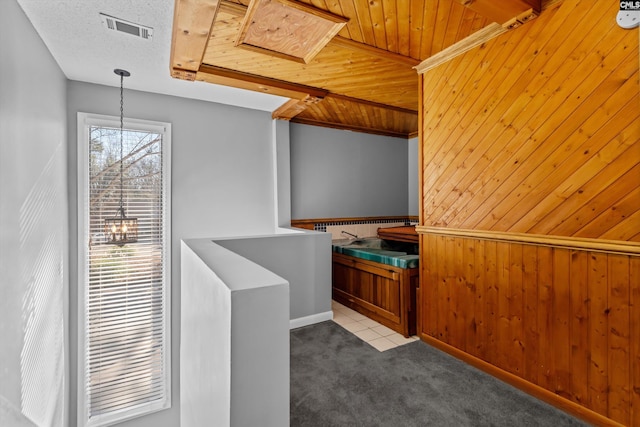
481	36
524	385
295	222
596	245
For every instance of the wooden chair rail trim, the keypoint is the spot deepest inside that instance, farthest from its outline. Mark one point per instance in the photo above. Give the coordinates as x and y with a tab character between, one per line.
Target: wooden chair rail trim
295	222
524	385
596	245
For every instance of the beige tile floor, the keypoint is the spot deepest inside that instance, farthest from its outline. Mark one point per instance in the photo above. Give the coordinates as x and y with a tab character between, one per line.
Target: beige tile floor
373	333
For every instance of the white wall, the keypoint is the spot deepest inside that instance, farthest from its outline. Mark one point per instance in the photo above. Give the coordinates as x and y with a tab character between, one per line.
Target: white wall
222	184
33	226
336	173
282	167
235	340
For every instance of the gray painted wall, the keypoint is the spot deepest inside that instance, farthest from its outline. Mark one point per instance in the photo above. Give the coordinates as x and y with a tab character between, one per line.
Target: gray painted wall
336	173
413	177
222	184
33	227
303	259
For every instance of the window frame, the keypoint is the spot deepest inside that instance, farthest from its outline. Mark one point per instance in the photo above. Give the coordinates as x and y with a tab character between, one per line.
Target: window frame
85	121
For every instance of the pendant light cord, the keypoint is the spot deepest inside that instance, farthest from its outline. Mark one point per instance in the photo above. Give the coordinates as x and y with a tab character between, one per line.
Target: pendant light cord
121	149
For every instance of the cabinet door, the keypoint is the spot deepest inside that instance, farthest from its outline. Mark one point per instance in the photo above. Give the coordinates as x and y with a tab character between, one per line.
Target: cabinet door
343	278
371	287
385	294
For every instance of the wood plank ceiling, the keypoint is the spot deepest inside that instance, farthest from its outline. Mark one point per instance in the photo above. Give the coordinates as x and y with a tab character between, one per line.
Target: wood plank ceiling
363	78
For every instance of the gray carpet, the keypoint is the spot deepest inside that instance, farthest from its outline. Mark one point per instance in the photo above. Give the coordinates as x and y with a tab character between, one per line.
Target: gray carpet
339	380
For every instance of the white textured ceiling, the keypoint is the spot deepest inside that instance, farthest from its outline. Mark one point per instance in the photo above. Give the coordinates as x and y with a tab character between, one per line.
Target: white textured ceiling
88	52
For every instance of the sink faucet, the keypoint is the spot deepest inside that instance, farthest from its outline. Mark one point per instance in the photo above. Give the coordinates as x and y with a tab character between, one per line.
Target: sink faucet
355	236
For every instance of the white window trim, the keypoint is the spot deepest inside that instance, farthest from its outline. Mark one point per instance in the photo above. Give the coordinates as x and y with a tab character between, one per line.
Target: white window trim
84	121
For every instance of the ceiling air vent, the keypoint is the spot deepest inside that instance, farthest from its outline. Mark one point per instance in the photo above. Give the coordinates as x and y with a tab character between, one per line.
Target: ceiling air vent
117	24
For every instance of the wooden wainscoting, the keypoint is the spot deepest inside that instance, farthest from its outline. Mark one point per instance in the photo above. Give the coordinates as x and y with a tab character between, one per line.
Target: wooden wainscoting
559	318
311	223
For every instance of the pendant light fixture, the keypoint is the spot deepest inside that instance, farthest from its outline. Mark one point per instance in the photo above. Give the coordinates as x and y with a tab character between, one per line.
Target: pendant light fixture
121	229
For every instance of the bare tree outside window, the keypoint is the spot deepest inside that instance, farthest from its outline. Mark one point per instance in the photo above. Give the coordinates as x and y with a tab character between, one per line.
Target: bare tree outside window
125	319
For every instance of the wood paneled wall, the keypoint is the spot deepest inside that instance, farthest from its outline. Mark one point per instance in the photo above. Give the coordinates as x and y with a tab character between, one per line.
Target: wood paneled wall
567	320
538	130
537	134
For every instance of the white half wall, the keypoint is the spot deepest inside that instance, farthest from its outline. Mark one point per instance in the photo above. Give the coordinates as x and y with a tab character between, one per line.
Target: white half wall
235	340
303	259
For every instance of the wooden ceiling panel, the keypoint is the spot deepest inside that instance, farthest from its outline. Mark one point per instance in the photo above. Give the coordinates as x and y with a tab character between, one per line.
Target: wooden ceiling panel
344	113
332	69
288	29
364	78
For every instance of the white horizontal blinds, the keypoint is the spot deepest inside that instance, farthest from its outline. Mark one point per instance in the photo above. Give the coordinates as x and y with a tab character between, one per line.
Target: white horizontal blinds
125	319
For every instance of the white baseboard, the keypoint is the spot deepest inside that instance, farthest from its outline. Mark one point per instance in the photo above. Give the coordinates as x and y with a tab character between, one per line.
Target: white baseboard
310	320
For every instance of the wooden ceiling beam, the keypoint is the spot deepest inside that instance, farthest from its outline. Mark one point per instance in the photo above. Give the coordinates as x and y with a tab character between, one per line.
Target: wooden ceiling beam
293	107
238	79
289	110
192	22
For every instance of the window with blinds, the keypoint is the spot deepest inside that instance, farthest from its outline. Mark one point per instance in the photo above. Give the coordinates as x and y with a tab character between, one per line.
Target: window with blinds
125	346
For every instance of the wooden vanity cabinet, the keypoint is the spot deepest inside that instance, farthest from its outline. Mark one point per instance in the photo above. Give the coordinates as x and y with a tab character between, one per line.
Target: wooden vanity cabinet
384	293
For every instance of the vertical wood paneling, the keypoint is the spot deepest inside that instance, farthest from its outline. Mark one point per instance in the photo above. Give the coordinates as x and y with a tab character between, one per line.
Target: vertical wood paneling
458	294
491	301
598	333
560	331
530	325
479	280
578	326
429	286
564	319
444	275
544	318
634	333
503	289
468	300
516	301
619	326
